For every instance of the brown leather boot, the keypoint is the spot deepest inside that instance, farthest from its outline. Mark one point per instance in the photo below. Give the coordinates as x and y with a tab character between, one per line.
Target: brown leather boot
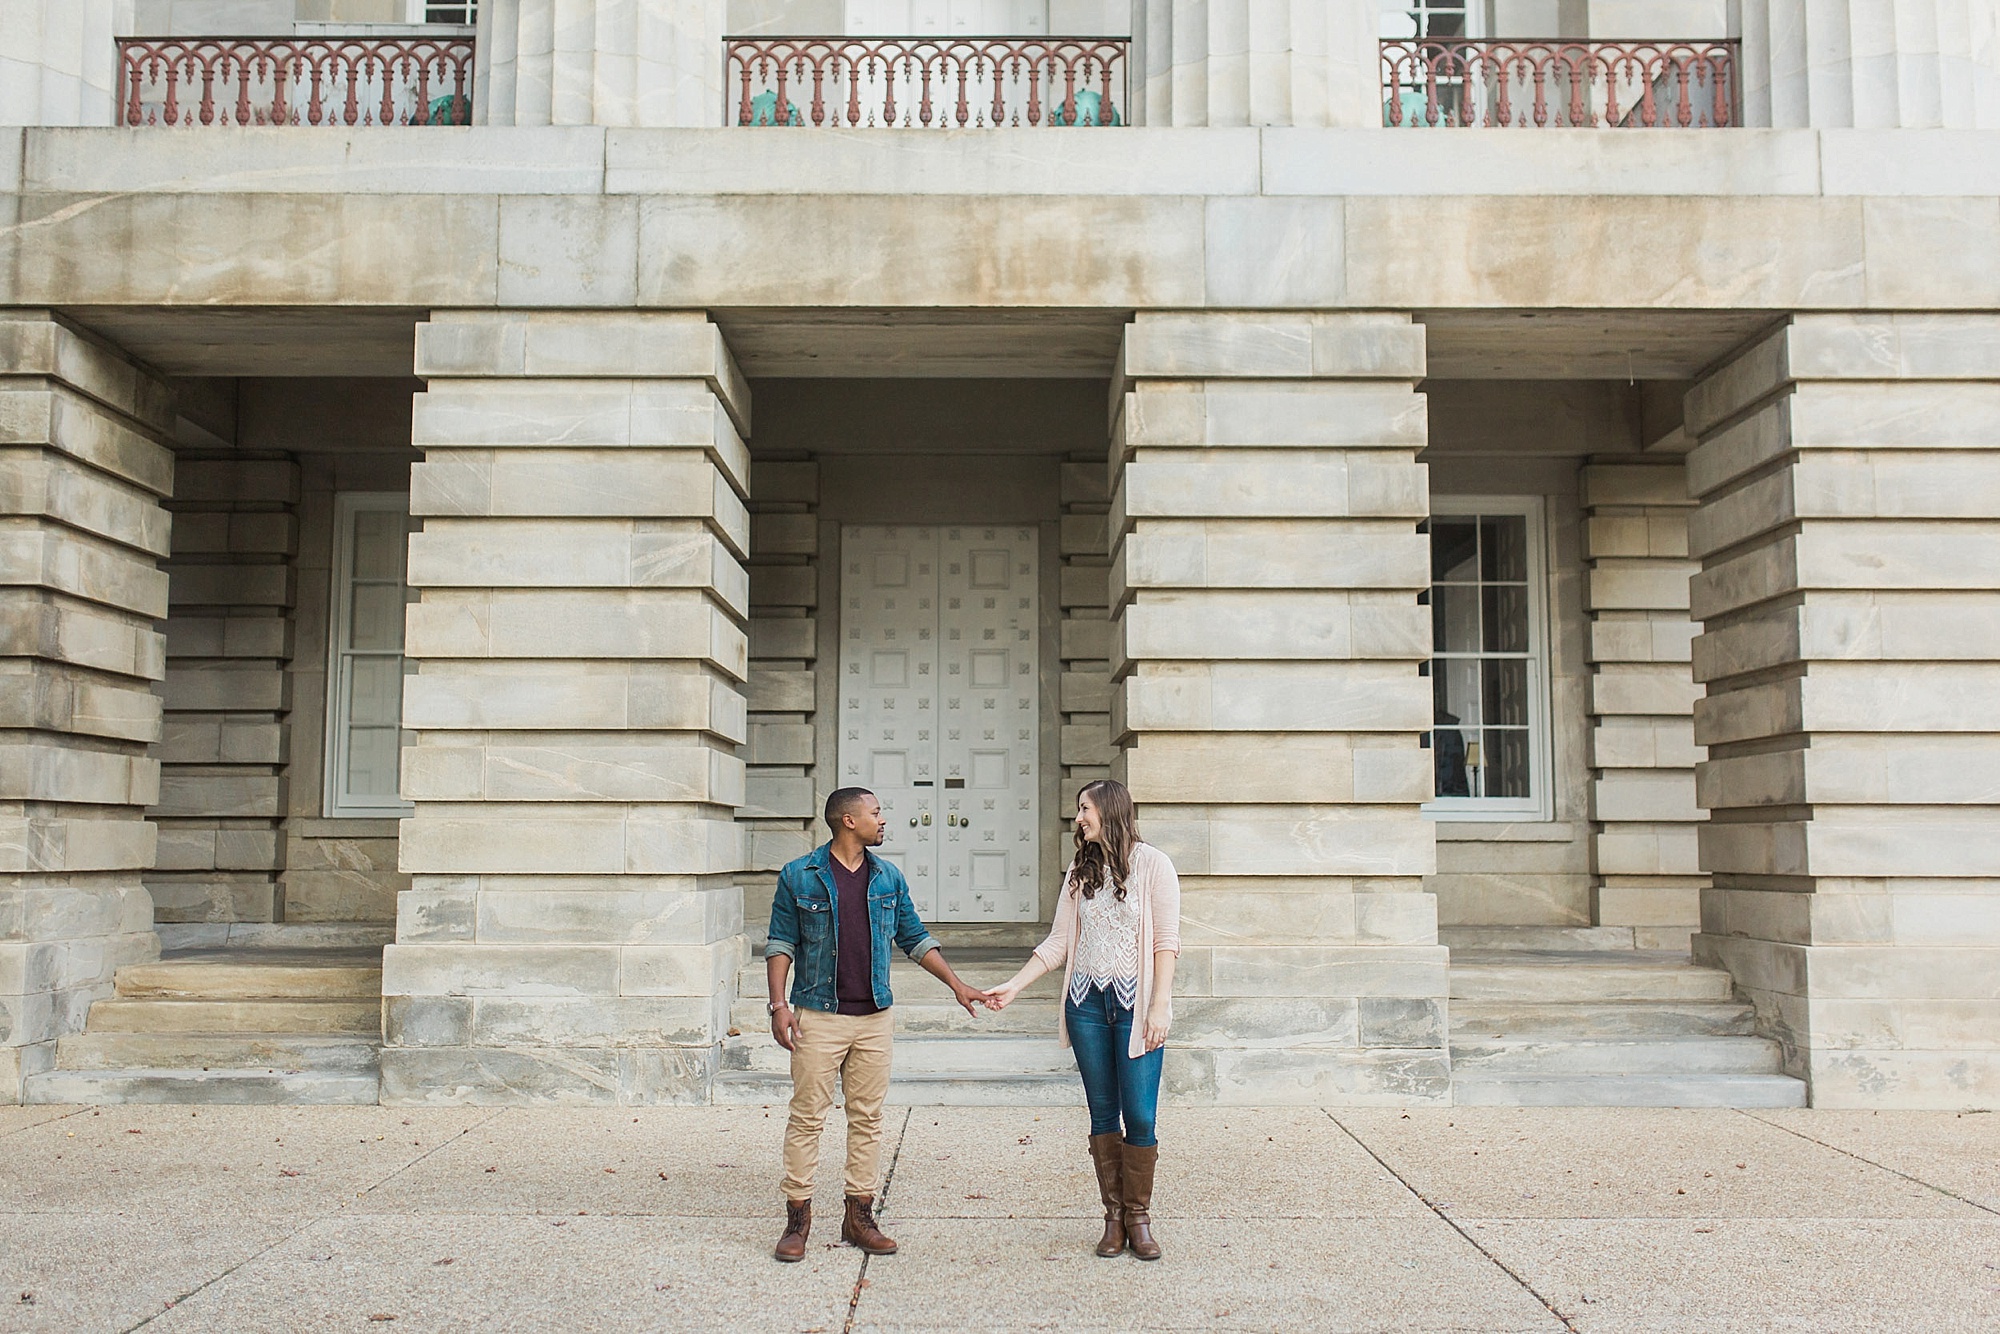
860	1230
798	1226
1137	1187
1107	1152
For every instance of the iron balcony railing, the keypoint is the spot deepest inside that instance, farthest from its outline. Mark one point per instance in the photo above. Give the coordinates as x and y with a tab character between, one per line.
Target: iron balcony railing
938	83
197	81
1454	81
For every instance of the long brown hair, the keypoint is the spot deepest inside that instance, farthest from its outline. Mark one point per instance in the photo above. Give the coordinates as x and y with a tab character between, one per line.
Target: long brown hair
1119	824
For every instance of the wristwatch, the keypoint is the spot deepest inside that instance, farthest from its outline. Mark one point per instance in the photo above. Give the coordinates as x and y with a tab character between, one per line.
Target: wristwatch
772	1007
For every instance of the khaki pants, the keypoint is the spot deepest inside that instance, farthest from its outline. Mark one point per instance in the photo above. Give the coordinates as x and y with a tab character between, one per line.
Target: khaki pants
856	1047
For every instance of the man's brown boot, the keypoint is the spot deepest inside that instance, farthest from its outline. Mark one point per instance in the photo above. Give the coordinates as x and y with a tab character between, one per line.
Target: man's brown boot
860	1230
1138	1192
798	1226
1107	1151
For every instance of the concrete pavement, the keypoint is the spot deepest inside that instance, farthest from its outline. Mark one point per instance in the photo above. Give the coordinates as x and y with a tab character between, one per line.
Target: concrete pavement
282	1219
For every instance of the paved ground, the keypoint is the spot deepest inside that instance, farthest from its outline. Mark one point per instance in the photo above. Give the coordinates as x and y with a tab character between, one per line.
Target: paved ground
223	1219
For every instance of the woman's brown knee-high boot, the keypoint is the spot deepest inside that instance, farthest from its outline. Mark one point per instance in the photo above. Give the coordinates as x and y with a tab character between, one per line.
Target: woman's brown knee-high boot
1136	1186
1107	1152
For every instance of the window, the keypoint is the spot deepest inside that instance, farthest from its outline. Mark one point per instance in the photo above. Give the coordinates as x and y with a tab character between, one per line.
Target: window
365	669
1406	19
466	12
1489	665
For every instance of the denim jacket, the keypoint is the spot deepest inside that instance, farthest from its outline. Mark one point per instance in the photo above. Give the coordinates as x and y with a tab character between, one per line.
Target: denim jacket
805	926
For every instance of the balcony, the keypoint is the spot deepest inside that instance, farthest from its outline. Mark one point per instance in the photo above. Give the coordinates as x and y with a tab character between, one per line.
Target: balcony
190	82
919	83
1457	82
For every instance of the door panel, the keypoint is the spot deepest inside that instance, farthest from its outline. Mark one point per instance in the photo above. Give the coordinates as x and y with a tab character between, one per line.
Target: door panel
940	709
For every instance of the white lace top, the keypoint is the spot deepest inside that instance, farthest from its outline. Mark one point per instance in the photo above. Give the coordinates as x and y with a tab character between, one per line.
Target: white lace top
1107	947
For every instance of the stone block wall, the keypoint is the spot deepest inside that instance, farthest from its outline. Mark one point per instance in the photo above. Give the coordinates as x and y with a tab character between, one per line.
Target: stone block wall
84	465
1084	694
1266	636
780	814
231	587
1647	872
1848	472
574	925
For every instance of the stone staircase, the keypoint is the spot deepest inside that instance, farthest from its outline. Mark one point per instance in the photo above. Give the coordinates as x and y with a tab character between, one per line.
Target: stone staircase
1576	1017
268	1014
944	1057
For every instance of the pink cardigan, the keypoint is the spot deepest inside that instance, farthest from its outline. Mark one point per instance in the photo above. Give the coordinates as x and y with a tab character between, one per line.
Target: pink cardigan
1158	889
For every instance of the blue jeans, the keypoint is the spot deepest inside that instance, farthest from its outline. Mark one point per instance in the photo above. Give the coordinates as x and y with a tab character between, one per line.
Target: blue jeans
1114	1084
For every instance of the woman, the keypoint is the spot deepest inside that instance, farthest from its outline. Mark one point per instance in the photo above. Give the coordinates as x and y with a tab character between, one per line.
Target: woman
1116	935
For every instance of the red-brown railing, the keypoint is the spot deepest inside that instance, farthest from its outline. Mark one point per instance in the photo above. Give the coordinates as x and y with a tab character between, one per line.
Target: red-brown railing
1452	81
196	81
938	83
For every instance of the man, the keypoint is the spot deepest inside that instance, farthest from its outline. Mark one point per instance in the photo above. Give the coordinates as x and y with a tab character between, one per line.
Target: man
836	912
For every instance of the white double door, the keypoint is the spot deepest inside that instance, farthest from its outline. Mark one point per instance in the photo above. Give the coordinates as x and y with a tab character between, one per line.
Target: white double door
940	709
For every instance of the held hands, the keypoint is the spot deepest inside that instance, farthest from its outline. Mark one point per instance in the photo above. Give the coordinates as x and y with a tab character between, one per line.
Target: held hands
1000	997
972	998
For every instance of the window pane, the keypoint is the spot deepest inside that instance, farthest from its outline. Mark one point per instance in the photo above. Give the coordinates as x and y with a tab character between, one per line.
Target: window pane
375	618
1506	618
1449	744
371	761
1505	756
1505	696
1455	620
1455	690
1454	549
378	544
375	692
1503	543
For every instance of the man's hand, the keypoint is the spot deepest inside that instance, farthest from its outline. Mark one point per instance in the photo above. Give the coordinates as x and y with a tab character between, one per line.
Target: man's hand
970	998
785	1027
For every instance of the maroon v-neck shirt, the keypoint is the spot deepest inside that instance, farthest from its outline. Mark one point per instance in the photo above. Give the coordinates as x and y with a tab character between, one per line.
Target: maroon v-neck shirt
854	948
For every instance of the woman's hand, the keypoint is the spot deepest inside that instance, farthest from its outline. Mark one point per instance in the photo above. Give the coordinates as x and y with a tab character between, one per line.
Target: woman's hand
1158	1022
1000	997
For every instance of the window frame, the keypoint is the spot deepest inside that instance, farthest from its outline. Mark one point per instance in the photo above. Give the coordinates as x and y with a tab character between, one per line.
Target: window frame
1539	805
418	12
335	803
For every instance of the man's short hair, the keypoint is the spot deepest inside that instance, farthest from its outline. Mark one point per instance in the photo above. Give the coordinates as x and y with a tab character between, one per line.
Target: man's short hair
841	802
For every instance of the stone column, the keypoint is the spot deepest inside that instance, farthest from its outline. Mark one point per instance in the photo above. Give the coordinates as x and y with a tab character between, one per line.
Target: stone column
59	60
643	63
574	927
1849	477
83	466
780	813
1870	64
1266	645
231	591
1646	865
1085	642
1235	62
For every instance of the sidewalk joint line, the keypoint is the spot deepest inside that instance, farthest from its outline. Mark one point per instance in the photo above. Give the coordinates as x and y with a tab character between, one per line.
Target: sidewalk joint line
54	1120
888	1179
441	1144
1453	1223
1945	1191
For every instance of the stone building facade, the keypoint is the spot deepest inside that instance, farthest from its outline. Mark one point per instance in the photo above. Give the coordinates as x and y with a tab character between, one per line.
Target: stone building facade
1537	581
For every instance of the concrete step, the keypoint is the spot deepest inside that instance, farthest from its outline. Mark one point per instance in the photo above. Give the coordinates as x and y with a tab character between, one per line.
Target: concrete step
1599	1090
1618	1056
1582	975
353	1017
274	935
262	1087
1472	1021
276	1052
255	974
1536	937
764	1089
955	1057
